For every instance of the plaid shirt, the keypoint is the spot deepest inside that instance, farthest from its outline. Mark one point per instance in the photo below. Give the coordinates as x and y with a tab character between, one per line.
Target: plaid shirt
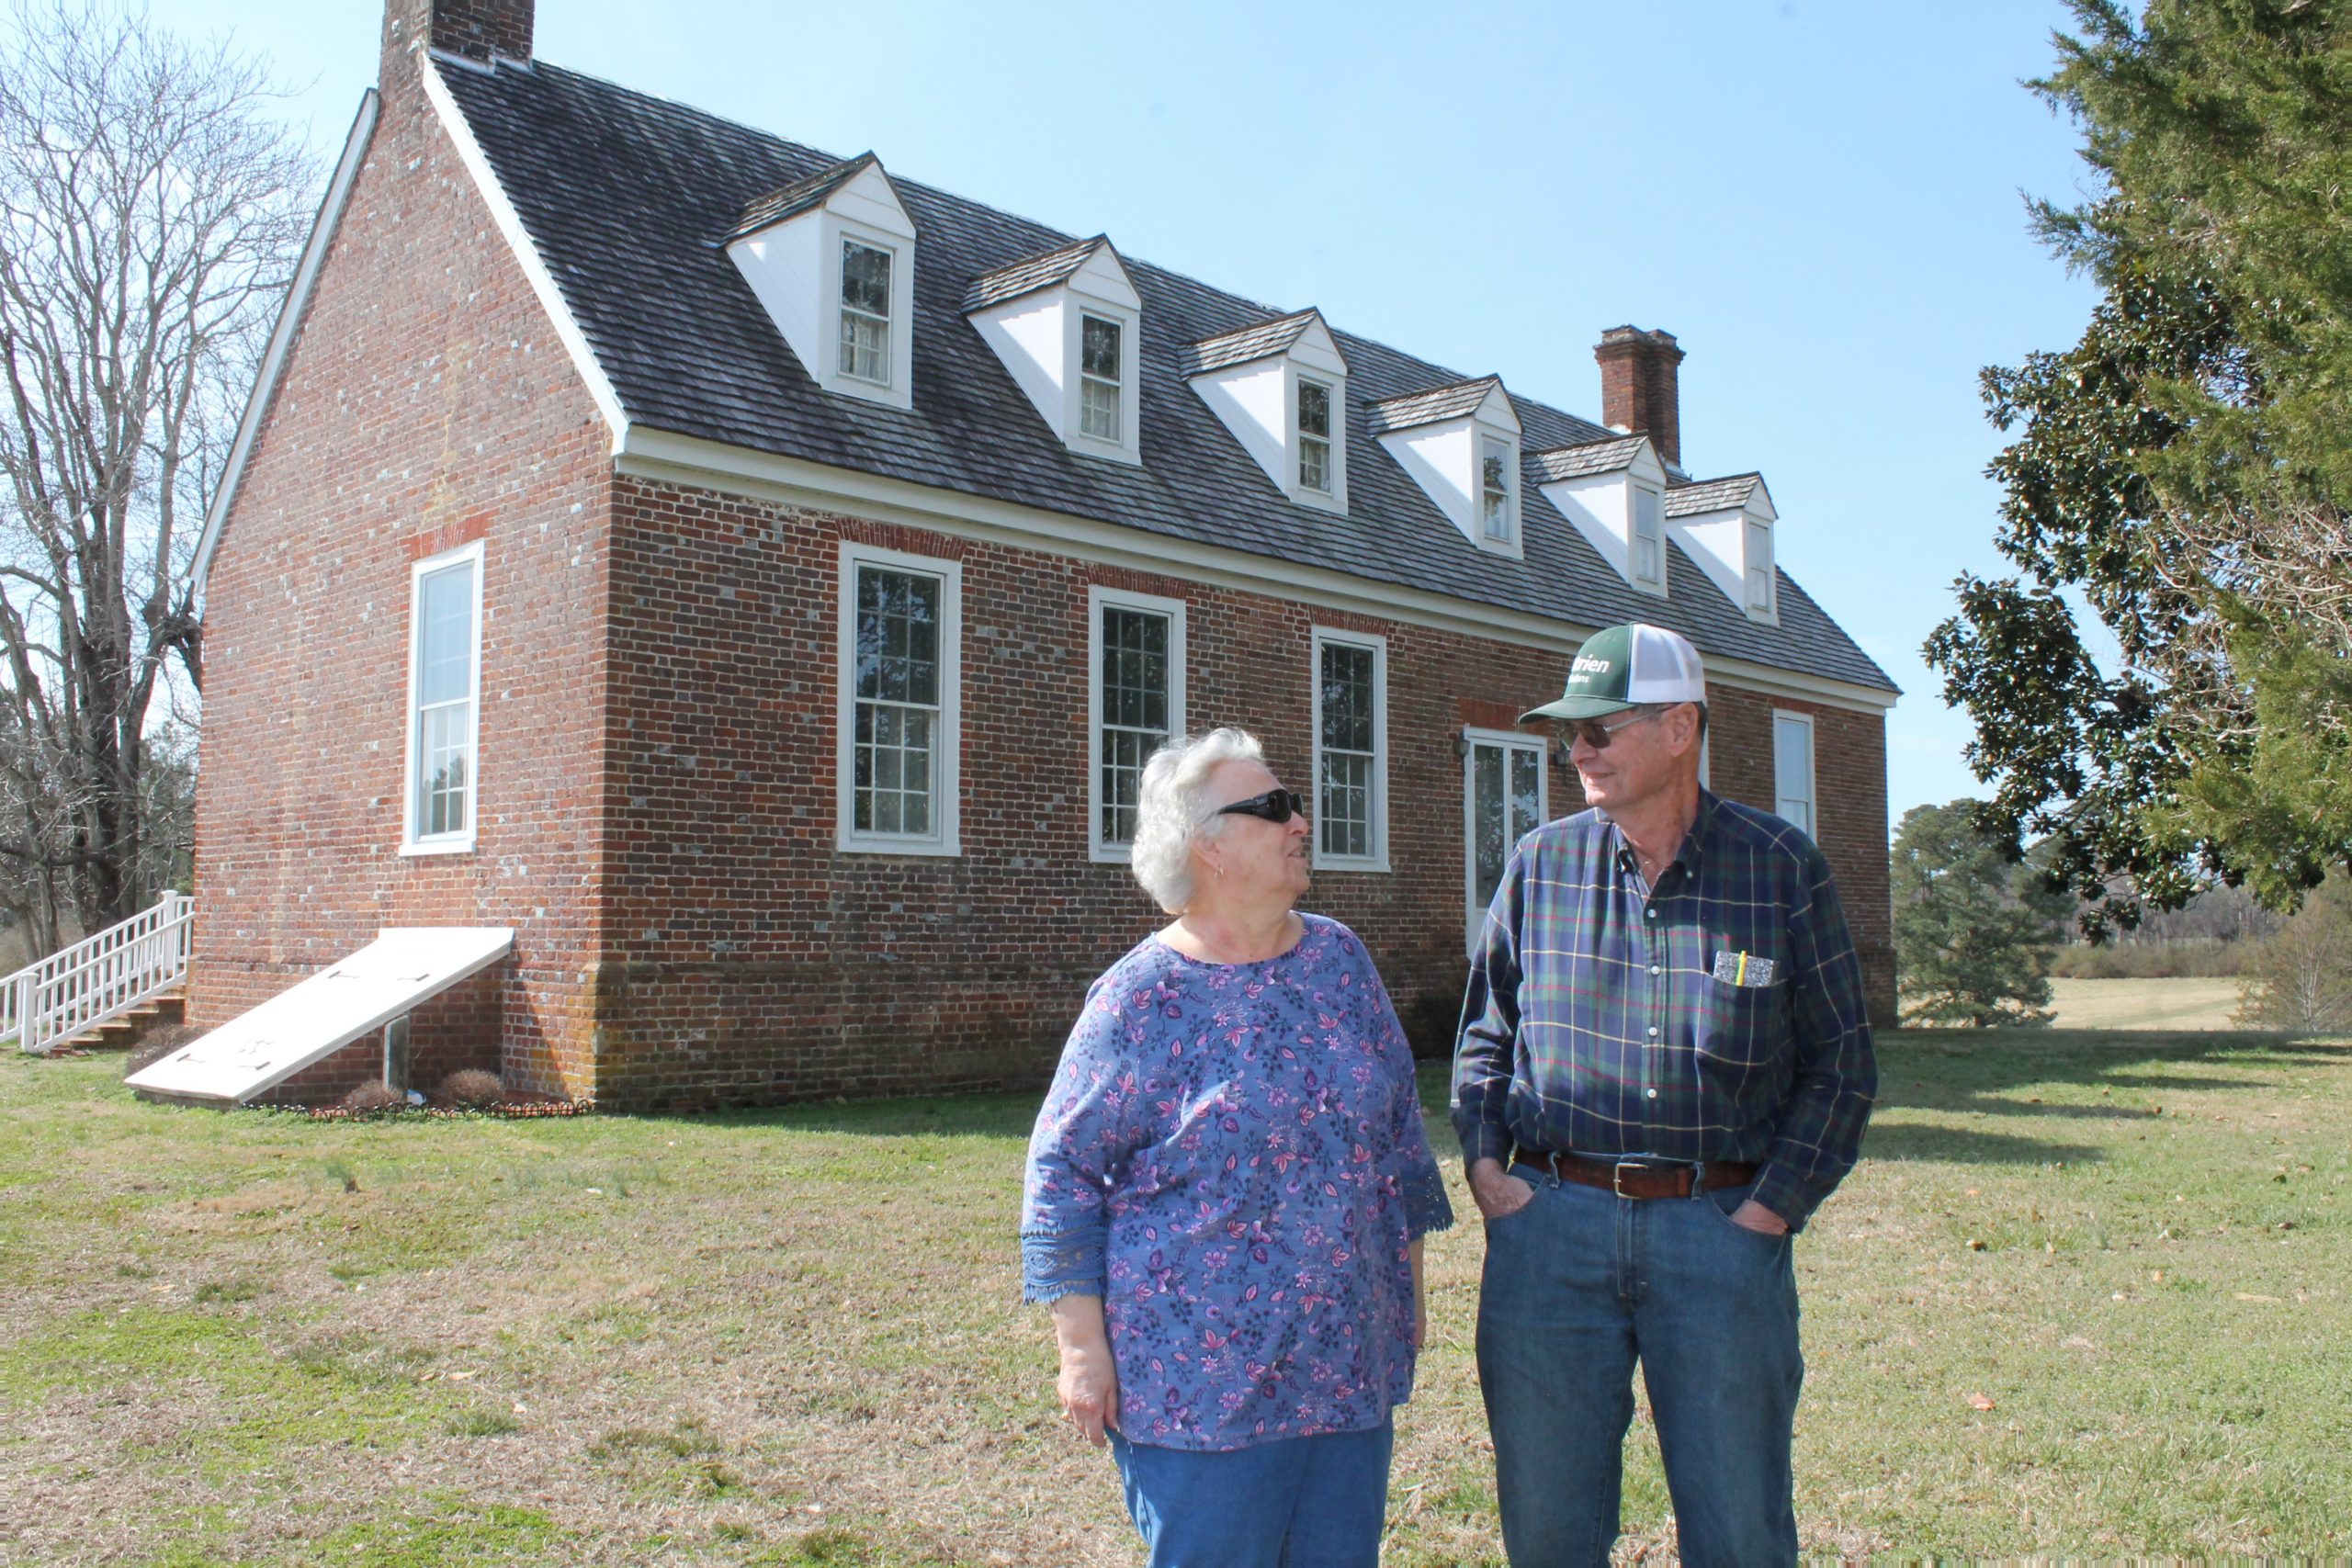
1594	1024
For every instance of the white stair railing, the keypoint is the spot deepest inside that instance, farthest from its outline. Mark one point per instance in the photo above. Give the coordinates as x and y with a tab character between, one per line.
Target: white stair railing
100	977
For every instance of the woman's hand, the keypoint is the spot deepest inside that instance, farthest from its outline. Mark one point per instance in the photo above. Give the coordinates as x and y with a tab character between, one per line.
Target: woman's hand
1089	1385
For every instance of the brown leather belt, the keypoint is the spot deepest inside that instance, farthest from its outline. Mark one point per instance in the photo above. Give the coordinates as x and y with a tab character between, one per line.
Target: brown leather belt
1640	1179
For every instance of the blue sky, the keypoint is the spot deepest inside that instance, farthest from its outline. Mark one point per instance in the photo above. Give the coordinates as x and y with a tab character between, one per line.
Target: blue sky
1820	201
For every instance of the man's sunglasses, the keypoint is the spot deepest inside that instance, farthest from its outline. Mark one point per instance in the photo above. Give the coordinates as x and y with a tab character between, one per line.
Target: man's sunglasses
1274	805
1597	735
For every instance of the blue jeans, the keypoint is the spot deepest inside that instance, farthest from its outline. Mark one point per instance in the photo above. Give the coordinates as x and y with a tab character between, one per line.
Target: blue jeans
1316	1502
1579	1285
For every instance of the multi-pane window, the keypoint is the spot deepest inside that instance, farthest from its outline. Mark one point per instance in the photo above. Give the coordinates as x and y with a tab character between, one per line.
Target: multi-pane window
1505	783
1348	726
894	768
1138	686
865	313
1494	486
1759	568
1793	769
444	686
1099	378
1649	536
1314	436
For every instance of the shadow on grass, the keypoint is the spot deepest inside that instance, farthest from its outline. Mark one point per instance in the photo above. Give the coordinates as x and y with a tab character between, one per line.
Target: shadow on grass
1961	1146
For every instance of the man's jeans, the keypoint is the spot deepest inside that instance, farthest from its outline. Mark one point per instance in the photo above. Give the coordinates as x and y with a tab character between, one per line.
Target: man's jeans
1579	1284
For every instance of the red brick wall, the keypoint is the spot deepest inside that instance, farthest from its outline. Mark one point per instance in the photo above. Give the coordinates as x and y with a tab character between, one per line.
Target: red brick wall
426	402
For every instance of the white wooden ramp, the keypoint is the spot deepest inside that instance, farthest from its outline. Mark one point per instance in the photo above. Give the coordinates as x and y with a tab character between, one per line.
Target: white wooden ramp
380	985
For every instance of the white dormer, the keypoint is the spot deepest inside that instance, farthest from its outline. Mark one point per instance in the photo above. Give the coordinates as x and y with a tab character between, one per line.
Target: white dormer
1725	525
1282	388
1461	444
832	259
1614	491
1066	324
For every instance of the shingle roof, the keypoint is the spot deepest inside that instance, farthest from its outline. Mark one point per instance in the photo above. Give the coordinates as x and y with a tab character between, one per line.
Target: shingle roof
1031	274
1242	346
1450	402
624	196
1711	495
1591	457
798	197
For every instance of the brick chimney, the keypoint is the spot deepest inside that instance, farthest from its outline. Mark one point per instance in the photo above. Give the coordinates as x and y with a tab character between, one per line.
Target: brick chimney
477	29
1637	387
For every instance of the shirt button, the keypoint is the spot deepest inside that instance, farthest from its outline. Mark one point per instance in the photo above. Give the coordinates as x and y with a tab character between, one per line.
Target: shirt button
1653	1094
1649	914
1652	1031
1653	969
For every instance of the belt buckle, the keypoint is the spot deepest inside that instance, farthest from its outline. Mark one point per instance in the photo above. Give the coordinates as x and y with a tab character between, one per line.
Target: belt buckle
1617	1176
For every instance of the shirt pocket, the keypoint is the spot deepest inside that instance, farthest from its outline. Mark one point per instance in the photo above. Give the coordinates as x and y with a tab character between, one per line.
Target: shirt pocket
1742	1025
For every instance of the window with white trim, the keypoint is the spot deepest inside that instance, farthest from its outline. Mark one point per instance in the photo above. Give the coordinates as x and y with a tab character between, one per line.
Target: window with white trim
1649	536
1793	774
1137	703
1100	377
1315	436
865	312
1759	568
901	631
1350	751
444	701
1494	486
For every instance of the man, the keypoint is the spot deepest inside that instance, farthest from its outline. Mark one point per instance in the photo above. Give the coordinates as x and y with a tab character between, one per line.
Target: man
1664	1067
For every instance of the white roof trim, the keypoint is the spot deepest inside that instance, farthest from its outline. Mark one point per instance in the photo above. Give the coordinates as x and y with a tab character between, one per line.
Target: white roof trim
740	470
281	336
527	254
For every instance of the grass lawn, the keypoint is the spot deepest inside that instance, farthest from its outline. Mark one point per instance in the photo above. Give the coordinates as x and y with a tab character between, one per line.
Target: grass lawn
2085	1295
2177	1004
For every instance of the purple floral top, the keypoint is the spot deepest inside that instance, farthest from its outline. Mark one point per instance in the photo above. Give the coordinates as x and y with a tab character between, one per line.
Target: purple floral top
1232	1157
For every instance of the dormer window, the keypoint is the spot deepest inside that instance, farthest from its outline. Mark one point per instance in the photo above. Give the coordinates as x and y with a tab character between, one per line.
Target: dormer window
831	259
1459	443
1759	568
865	313
1099	378
1649	536
1494	488
1314	436
1063	324
1281	388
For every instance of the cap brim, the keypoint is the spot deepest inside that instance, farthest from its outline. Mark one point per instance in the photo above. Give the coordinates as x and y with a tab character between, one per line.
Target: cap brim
1578	707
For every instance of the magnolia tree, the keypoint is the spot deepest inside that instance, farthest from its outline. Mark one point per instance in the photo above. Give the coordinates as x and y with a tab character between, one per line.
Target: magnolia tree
152	212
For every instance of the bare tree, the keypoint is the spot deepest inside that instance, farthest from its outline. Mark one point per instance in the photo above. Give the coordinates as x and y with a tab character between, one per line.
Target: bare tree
150	215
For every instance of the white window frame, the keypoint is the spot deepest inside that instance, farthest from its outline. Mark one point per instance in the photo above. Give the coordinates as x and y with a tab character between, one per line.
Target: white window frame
1320	638
1811	798
1508	516
1753	572
1085	378
841	311
945	838
412	843
1330	438
1656	498
1098	598
1474	912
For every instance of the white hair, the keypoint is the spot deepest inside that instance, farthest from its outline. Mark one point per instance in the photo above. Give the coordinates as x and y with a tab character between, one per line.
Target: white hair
1172	810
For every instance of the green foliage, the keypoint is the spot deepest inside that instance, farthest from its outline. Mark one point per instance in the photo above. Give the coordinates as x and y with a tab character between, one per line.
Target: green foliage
2175	474
1972	927
2299	979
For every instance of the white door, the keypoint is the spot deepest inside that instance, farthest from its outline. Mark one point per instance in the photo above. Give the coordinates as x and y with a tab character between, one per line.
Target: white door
1502	800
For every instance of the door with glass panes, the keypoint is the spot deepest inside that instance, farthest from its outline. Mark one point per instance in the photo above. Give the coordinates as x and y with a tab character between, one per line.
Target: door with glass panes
1502	800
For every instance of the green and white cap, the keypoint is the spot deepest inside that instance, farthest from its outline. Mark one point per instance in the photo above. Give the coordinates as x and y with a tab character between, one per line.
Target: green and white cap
1626	667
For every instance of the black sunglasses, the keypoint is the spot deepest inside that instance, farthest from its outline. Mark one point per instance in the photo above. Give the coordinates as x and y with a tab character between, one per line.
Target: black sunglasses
1274	805
1597	735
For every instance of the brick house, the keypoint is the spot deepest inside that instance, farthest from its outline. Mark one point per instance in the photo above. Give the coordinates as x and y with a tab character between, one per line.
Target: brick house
756	579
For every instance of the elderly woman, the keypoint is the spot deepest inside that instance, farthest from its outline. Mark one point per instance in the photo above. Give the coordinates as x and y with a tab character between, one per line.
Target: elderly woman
1227	1191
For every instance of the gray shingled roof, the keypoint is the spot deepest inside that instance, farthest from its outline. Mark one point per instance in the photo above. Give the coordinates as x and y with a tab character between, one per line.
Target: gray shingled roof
1711	495
1241	347
1028	276
625	196
1576	462
1451	401
798	197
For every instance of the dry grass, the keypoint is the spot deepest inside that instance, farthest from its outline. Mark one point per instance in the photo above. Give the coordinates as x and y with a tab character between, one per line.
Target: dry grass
2170	1004
793	1337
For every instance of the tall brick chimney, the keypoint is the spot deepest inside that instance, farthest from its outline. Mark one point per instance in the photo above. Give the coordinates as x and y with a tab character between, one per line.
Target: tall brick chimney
478	29
1637	387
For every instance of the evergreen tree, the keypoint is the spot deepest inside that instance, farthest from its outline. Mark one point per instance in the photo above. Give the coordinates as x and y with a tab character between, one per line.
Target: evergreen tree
1973	926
